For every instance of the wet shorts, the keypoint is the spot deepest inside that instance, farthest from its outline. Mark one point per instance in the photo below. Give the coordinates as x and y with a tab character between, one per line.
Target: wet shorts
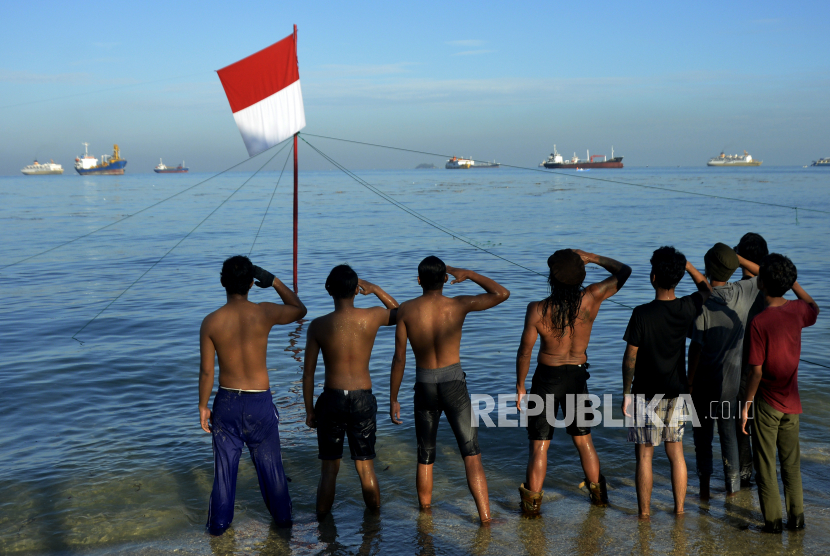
451	398
559	381
351	413
666	423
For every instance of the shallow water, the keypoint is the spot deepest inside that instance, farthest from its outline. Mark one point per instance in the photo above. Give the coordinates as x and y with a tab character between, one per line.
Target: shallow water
101	449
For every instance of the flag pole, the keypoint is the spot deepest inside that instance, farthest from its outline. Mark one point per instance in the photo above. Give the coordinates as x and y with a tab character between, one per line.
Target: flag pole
296	180
295	212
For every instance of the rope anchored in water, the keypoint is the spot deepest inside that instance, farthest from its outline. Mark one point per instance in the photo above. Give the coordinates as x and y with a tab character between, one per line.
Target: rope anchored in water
423	218
235	191
271	200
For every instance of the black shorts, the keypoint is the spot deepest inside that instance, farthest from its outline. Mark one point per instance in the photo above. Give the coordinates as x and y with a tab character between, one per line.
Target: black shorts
452	399
558	381
351	413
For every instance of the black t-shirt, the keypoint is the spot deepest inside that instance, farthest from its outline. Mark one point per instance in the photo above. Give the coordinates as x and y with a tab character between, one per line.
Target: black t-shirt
659	330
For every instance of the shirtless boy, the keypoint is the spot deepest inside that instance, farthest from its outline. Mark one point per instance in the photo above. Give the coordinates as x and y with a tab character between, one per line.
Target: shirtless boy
346	407
432	324
243	410
564	320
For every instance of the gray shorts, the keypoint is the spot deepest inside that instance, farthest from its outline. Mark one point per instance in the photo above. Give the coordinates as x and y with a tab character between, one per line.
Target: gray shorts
664	424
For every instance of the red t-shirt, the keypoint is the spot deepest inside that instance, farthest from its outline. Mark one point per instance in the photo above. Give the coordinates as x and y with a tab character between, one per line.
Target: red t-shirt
775	344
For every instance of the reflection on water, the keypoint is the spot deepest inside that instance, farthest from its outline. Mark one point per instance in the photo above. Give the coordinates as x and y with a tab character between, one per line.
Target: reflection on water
102	451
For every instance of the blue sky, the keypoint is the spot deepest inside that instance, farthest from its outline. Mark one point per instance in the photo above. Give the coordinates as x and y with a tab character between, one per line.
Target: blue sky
665	84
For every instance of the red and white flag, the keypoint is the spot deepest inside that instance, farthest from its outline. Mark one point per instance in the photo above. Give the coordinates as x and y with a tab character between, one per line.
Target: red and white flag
265	96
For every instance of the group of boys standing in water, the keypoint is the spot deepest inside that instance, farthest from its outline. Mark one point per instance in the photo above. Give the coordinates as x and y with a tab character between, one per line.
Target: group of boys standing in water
740	352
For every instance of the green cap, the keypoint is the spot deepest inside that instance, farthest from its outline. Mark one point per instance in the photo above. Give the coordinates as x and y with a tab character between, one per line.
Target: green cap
721	262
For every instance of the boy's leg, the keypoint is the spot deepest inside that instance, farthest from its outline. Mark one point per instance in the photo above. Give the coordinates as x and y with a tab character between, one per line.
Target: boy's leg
703	436
427	416
331	430
679	478
327	485
226	452
361	429
457	407
729	446
643	477
587	456
537	465
744	440
264	445
368	482
789	454
227	448
765	438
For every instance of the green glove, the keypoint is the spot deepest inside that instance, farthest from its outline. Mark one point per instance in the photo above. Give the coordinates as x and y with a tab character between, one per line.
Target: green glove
264	279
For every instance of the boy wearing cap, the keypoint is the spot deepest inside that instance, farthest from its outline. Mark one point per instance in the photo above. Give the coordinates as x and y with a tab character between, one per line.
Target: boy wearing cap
715	356
654	371
775	348
564	321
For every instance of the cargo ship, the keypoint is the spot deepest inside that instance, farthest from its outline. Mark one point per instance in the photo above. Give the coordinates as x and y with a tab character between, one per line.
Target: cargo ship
456	163
162	169
820	162
38	169
733	160
110	165
555	160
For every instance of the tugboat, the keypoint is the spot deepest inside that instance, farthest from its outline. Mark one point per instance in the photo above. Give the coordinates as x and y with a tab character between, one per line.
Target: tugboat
110	165
733	160
37	169
825	162
555	160
162	169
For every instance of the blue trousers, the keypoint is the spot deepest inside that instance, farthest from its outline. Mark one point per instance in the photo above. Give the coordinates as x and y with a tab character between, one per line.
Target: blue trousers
246	419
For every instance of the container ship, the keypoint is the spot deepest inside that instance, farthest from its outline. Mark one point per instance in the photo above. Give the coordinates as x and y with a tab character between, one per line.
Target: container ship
110	165
38	169
162	169
820	162
734	160
555	160
456	163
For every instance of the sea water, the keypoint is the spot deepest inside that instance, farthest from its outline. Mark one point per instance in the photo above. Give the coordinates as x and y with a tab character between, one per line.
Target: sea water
101	449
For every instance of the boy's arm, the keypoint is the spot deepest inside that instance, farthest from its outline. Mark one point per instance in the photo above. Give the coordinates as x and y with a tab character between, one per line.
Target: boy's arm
628	365
496	293
751	267
752	382
396	376
700	280
207	354
611	285
312	350
388	301
804	296
529	335
292	308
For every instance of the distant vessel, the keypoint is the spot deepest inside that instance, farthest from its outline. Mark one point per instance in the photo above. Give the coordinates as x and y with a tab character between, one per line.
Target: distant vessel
37	169
733	160
111	165
819	162
555	160
162	169
456	163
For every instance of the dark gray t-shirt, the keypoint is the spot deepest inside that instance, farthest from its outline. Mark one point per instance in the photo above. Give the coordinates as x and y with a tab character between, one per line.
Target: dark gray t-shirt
720	330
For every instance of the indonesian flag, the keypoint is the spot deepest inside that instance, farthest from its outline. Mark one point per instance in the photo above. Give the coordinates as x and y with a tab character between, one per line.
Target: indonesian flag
265	96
